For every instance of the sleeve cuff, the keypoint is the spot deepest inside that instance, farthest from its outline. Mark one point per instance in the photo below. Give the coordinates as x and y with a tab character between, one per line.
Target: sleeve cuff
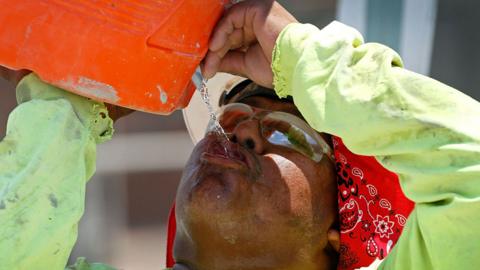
93	115
292	42
82	264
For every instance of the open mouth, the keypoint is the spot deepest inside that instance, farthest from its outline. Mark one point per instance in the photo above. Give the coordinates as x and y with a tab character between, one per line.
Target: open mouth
224	153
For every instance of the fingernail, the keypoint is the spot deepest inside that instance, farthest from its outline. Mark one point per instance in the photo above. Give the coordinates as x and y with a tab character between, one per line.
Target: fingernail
207	75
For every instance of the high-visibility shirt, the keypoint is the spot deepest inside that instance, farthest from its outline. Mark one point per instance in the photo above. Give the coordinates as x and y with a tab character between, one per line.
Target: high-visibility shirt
426	132
46	159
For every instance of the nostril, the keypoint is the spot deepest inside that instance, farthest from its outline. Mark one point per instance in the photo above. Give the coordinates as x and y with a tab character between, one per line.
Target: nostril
233	138
249	143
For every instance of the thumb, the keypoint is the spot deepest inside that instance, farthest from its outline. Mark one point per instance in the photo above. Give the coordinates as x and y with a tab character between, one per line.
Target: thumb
234	63
256	68
251	64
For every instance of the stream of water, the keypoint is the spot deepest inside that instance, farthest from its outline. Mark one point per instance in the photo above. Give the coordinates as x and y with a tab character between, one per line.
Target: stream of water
213	117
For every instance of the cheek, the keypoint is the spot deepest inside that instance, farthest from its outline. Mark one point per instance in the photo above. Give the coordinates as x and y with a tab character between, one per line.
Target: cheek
297	190
288	186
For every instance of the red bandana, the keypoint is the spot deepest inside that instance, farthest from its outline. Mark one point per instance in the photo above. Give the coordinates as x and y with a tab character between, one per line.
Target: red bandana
373	210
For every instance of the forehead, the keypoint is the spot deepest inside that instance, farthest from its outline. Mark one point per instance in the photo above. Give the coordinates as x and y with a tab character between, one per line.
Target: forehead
268	103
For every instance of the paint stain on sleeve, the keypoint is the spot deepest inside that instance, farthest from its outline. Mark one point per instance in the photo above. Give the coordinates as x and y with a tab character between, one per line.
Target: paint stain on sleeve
53	200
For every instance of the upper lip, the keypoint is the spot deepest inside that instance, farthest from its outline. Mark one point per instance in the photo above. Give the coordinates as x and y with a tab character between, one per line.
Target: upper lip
229	154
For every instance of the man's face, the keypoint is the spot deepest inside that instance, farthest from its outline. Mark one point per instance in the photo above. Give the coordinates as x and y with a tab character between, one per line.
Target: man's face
257	206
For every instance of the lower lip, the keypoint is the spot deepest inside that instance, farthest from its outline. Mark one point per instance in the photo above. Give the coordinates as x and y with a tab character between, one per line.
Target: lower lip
223	161
225	154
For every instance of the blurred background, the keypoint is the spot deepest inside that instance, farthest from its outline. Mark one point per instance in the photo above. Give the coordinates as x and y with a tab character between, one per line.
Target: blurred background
129	198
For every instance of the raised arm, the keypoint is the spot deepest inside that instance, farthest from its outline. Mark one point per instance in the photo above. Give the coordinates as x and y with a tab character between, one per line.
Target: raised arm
46	159
425	131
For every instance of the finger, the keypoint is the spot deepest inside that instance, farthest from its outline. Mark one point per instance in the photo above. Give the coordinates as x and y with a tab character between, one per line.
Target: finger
234	41
211	64
213	58
237	40
251	64
233	19
234	63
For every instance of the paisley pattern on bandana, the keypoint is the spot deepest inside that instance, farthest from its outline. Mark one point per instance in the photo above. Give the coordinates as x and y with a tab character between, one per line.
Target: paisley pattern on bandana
372	208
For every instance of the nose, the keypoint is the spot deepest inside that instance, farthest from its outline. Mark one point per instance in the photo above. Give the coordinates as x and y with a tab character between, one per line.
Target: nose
248	134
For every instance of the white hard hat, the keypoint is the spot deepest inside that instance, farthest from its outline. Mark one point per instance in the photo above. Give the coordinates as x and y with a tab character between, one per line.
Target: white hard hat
196	114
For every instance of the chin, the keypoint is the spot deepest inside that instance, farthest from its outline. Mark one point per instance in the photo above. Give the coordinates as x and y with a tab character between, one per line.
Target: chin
214	192
214	182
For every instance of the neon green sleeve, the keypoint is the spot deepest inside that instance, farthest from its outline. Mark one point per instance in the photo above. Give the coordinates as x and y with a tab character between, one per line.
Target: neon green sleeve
82	264
46	159
425	131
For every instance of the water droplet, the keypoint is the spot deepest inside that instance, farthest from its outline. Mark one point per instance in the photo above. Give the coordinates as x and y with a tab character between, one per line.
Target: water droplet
216	125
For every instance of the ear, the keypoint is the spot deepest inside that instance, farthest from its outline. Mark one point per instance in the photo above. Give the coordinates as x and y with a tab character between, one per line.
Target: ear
333	237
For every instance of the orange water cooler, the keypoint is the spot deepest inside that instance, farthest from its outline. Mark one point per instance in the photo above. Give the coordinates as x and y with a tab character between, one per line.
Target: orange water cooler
139	54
